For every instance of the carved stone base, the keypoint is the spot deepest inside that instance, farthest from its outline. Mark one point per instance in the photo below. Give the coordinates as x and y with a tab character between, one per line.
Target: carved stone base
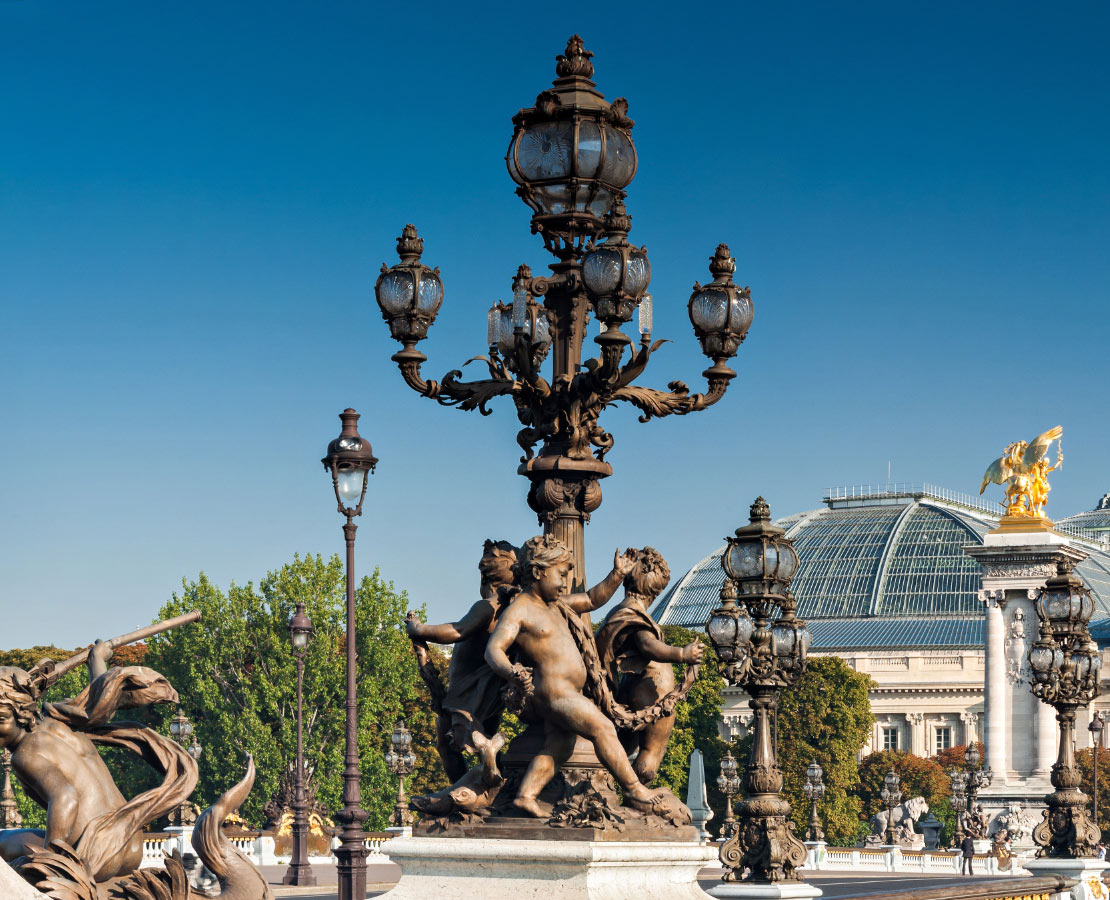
786	890
1086	872
471	869
12	887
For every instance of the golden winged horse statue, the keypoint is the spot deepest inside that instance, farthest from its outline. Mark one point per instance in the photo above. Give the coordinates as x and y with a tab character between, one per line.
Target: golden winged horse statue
1023	468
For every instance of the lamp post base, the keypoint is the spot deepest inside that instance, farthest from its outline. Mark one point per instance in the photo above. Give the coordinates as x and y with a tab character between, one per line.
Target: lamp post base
300	876
1086	872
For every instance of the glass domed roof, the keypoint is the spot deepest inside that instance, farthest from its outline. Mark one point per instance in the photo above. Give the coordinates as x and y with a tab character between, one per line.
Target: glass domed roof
880	568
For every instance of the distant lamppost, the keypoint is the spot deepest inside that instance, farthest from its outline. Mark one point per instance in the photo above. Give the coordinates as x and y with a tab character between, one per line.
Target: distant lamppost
350	460
728	783
892	796
814	790
1095	727
762	648
959	800
9	809
181	730
300	870
1066	665
399	759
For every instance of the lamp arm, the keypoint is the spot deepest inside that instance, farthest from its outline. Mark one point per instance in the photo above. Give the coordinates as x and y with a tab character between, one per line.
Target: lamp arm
678	400
466	395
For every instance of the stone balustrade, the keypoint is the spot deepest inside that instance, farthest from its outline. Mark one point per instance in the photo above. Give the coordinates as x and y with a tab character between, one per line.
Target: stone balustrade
258	847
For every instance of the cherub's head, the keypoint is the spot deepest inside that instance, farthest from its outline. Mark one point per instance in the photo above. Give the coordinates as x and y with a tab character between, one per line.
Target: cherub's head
498	566
18	704
650	575
546	567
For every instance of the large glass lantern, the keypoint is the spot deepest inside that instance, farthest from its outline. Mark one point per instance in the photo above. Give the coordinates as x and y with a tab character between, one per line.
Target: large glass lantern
409	293
300	628
571	154
1065	602
615	273
760	559
730	627
721	312
350	460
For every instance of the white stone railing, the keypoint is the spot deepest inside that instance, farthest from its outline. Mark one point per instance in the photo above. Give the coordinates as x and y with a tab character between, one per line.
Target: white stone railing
259	847
821	858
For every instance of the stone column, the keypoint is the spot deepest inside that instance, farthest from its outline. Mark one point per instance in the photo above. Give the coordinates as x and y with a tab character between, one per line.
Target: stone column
995	733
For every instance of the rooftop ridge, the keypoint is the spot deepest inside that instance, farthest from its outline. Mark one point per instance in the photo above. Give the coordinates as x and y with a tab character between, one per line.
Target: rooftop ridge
839	496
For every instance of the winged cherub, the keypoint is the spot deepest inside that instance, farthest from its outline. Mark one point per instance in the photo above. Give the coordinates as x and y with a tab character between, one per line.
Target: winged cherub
1024	470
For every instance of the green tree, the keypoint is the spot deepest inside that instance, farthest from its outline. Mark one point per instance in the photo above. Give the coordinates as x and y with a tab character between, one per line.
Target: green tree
1085	759
697	723
825	716
236	676
921	777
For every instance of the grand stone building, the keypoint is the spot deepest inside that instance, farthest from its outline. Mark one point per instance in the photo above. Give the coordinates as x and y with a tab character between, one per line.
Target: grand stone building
885	583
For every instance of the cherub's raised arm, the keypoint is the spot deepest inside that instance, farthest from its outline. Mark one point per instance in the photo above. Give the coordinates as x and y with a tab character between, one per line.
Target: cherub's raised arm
602	592
477	618
660	651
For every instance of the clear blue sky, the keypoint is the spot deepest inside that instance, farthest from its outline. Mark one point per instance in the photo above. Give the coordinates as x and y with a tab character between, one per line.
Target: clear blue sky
195	199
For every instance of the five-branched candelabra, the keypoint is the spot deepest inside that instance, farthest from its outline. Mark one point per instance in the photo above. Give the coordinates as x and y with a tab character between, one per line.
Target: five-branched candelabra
1066	664
571	156
814	790
762	648
401	761
966	784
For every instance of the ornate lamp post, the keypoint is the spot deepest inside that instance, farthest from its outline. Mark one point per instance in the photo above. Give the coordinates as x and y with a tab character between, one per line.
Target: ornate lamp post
1066	665
401	761
350	460
1096	725
728	783
814	790
892	796
959	800
762	654
571	156
9	809
300	870
181	730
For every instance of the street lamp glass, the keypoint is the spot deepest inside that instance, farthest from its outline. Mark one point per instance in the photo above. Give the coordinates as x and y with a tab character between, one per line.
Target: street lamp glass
971	755
395	292
350	483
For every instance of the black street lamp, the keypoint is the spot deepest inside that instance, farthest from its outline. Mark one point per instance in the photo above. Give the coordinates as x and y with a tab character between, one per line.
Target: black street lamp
814	790
350	460
1066	665
761	646
728	783
300	870
892	796
1095	727
959	801
181	730
399	759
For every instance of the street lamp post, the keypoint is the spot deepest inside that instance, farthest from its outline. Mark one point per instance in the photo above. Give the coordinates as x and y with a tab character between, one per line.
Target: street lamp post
728	783
181	730
892	796
571	156
814	790
300	870
763	653
966	784
401	761
1066	665
350	460
959	801
1095	727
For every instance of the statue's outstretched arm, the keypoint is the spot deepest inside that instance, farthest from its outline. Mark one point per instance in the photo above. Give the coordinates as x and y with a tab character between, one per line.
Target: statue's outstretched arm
660	651
476	619
602	592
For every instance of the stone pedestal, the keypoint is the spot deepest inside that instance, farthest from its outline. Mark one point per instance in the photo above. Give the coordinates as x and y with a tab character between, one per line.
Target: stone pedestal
1087	872
12	887
783	890
465	868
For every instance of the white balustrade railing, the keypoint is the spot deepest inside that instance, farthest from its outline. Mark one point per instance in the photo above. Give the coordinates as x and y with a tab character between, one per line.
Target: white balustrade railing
824	858
259	847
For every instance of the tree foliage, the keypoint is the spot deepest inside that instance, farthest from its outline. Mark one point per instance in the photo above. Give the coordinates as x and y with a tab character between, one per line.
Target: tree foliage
921	777
825	716
235	672
1085	759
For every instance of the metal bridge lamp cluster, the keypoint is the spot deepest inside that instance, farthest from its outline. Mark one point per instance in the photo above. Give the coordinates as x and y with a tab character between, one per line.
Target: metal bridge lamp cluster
1066	665
814	791
401	761
300	870
728	783
762	648
572	157
891	795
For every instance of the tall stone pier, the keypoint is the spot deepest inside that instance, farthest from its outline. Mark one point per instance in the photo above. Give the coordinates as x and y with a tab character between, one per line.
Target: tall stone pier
1019	731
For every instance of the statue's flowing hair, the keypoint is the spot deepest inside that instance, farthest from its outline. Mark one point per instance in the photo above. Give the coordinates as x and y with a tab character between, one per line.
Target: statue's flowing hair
500	563
18	692
651	575
540	554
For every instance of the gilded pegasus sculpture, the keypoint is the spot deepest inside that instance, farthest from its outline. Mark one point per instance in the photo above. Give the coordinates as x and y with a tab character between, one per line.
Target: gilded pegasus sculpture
1023	468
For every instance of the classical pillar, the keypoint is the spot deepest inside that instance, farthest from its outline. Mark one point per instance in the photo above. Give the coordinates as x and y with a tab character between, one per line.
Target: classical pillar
996	733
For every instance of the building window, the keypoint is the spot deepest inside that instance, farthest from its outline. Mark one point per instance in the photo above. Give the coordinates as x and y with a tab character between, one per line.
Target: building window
944	739
890	738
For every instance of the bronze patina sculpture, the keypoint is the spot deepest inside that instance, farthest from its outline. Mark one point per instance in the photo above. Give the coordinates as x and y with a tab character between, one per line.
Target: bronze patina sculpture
91	848
638	661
